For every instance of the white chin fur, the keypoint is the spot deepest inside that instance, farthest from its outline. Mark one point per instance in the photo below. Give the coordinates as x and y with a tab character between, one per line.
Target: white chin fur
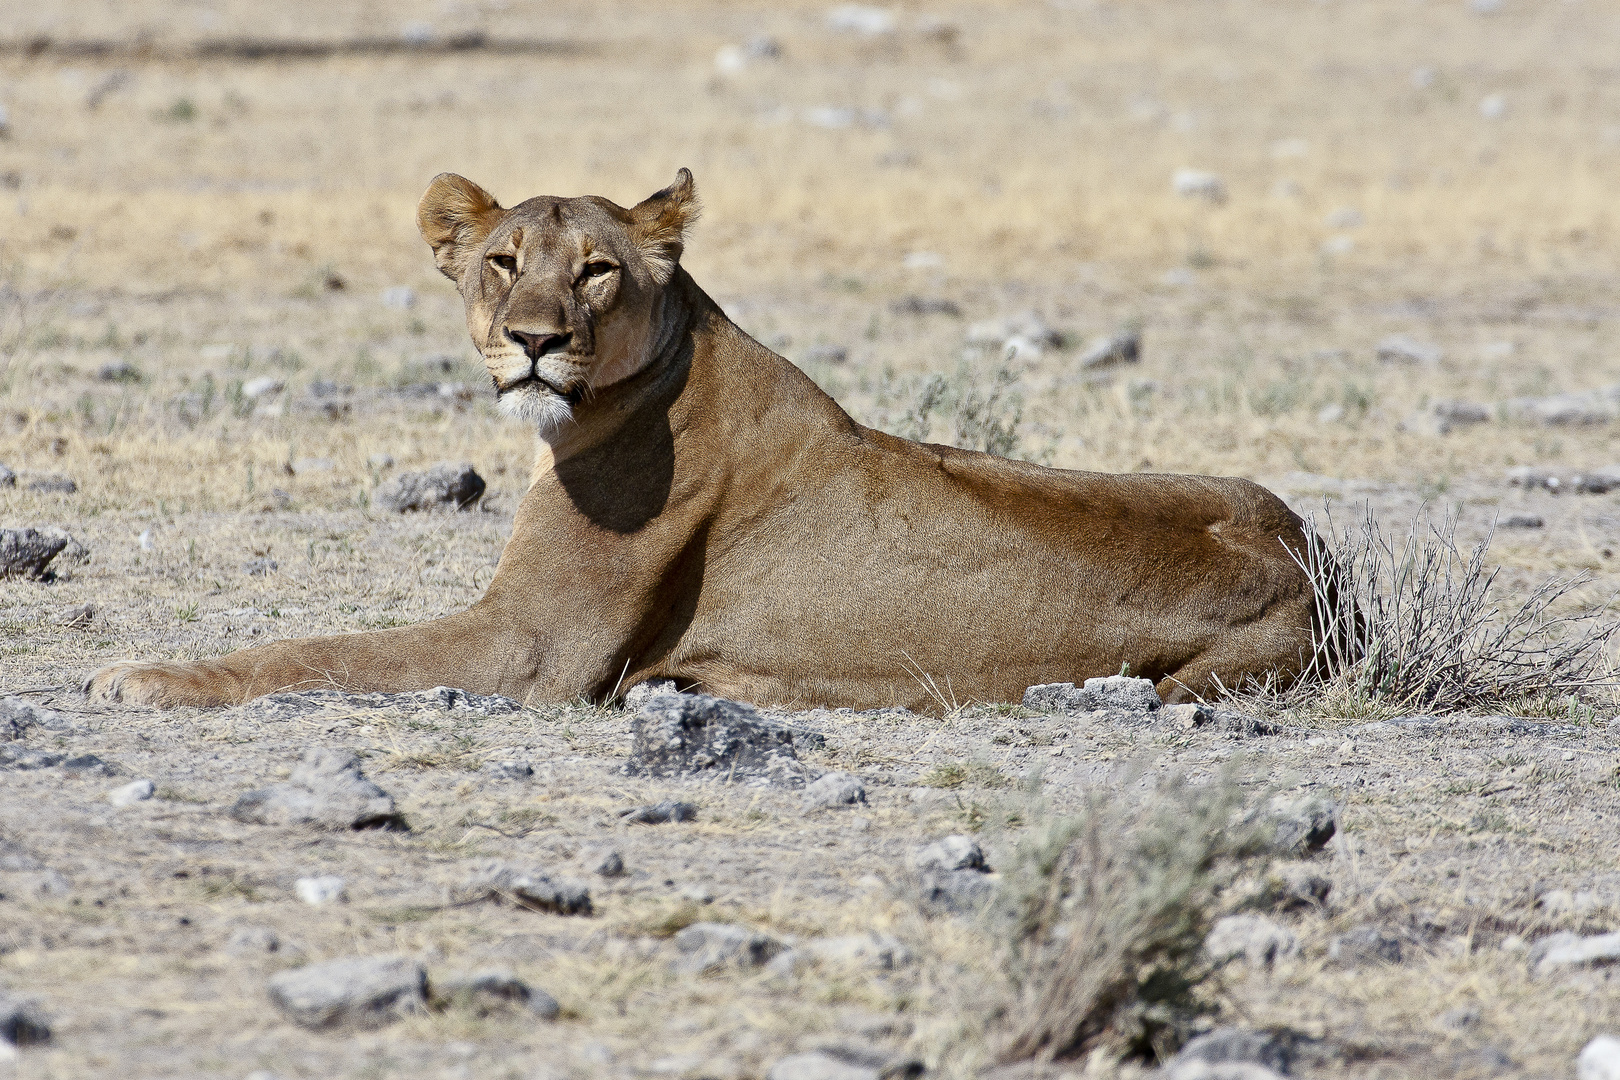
545	410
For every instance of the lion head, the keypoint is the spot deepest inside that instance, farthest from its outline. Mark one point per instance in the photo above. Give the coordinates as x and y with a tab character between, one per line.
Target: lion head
563	296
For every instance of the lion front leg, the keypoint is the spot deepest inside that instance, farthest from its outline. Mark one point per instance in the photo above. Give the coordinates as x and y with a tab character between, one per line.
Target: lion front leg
472	651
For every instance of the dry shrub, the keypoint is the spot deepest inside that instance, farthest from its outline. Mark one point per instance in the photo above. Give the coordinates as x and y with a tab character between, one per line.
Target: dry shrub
1411	623
1109	911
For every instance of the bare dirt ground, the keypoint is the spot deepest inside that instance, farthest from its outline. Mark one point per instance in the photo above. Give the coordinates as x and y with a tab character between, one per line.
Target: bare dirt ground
173	229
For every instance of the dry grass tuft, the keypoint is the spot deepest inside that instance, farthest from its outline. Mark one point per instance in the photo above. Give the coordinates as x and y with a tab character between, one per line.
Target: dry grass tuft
1413	624
1110	908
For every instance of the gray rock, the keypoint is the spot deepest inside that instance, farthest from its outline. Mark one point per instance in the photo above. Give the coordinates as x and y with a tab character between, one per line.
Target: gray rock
14	857
28	553
326	790
1027	326
46	884
1198	184
660	813
118	371
74	553
1292	887
1253	938
1461	1018
955	892
1226	1070
262	567
1599	1060
1523	521
22	758
493	990
956	852
833	790
1566	950
7	477
1450	413
700	736
1400	349
89	765
507	770
1111	351
1116	692
843	1062
1305	828
54	485
131	793
250	940
22	1022
263	386
1277	1049
880	952
1589	408
638	695
358	992
443	698
707	947
77	617
826	354
445	486
528	887
320	891
17	715
603	862
1367	944
920	305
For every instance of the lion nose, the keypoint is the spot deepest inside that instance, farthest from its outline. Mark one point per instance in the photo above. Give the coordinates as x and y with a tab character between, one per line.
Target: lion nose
537	345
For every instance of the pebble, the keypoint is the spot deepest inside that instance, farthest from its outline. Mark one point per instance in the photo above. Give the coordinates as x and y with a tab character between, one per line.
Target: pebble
1253	938
1109	351
528	887
77	617
22	1023
659	813
444	486
493	990
133	792
507	770
1198	184
707	947
316	891
834	790
1567	950
28	553
1599	1059
603	862
8	478
356	992
698	735
327	790
1400	349
1364	944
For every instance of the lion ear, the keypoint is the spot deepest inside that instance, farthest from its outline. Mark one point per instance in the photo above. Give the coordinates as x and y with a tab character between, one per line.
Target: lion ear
455	216
661	221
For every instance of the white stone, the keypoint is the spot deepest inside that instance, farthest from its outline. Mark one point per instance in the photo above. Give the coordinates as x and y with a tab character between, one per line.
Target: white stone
1198	184
399	296
133	792
1600	1060
955	852
264	385
861	19
1493	106
923	260
1253	938
316	891
1573	950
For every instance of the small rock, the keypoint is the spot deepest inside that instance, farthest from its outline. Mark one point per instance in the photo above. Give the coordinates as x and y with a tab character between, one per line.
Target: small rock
22	758
263	386
1119	692
1400	349
22	1023
402	297
826	354
18	715
1111	351
1599	1060
326	790
7	477
1366	944
1305	828
443	486
507	770
1291	887
1566	950
660	813
359	992
881	952
1461	1018
603	862
248	940
1568	902
1276	1049
697	894
261	567
833	790
493	990
1253	938
918	305
316	891
1198	184
54	485
956	852
1026	325
1524	521
845	1063
1493	106
1186	716
118	371
77	617
955	892
530	888
133	792
697	735
861	19
28	553
89	765
707	947
638	695
1582	409
304	466
380	461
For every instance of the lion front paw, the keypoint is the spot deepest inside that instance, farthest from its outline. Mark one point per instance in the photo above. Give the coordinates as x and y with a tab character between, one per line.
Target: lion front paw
162	684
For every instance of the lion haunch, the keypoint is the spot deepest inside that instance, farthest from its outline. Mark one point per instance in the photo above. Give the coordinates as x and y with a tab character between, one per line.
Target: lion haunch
700	511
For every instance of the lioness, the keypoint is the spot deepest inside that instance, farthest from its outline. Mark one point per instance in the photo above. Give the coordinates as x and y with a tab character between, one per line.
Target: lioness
700	511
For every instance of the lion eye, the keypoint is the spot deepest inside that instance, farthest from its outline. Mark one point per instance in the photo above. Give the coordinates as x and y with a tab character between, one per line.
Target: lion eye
505	262
597	269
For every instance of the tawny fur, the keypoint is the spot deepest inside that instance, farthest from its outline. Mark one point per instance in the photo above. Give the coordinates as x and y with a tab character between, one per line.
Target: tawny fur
702	512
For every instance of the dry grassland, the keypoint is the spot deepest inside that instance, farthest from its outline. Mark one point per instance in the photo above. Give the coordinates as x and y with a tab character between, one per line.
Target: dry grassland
185	219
